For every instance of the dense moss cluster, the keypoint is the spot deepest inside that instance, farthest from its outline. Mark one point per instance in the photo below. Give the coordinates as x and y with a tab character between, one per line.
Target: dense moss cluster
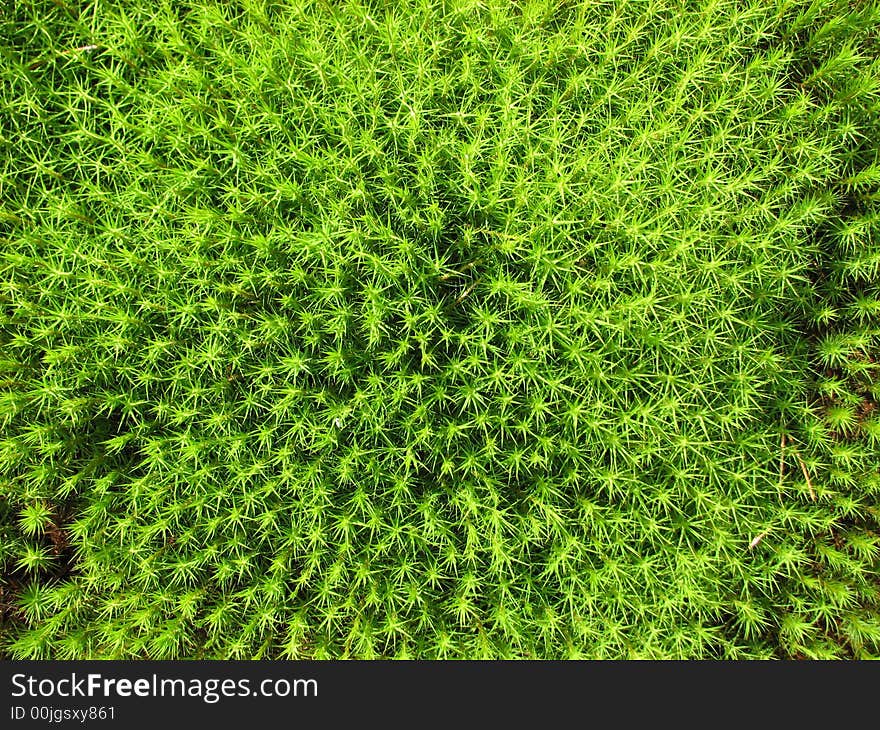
439	329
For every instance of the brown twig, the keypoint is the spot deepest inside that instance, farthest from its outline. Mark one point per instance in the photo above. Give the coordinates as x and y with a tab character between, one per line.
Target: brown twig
781	467
806	475
82	49
754	543
459	272
465	293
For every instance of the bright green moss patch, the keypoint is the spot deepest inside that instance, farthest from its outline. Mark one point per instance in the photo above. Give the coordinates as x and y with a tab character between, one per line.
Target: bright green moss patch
439	329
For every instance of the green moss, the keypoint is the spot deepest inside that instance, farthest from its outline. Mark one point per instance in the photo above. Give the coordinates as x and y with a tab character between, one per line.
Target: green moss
439	329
